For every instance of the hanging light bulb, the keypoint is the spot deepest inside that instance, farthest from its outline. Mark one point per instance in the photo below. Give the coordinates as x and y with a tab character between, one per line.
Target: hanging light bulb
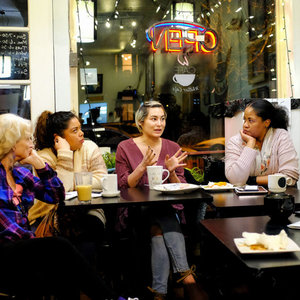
107	23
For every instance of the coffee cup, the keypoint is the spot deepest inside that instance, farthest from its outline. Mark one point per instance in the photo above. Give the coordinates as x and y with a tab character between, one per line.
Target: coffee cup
155	175
83	184
184	79
277	183
110	184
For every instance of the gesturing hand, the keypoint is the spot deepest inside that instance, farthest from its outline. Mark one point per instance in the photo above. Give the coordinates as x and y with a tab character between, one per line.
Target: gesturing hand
175	161
149	159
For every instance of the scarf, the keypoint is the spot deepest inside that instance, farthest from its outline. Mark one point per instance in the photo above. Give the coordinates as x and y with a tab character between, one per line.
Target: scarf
263	156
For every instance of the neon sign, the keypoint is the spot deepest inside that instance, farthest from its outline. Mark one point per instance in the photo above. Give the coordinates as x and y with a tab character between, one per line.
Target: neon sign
175	36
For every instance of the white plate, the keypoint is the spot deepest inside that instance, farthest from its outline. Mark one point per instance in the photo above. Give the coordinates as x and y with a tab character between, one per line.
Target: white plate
176	188
221	188
244	249
111	194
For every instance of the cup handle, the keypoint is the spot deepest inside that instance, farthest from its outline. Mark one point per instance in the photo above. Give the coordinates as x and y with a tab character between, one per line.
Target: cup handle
165	170
174	79
102	181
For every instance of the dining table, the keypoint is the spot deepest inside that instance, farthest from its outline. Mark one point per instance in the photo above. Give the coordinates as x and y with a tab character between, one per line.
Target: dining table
229	204
273	270
139	197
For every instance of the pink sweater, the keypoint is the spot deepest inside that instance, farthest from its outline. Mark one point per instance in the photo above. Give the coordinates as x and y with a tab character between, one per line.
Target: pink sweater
129	156
240	159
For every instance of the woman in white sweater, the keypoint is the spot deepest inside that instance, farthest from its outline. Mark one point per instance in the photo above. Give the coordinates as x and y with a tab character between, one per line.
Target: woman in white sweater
262	147
60	142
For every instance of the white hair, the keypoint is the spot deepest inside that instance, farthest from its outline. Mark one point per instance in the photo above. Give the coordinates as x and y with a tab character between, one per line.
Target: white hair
12	129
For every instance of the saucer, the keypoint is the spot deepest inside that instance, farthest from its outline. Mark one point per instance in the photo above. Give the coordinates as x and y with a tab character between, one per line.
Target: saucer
111	194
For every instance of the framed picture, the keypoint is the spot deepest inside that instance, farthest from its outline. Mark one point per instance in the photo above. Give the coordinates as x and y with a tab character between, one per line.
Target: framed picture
96	89
256	62
257	18
261	92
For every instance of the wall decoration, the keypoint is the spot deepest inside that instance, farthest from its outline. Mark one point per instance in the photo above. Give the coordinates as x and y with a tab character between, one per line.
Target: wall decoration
261	92
96	89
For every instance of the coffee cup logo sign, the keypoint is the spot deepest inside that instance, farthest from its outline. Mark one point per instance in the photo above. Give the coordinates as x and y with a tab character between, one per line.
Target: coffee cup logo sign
182	37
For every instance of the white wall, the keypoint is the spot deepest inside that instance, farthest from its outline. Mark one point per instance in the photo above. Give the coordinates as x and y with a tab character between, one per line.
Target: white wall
49	56
61	54
41	56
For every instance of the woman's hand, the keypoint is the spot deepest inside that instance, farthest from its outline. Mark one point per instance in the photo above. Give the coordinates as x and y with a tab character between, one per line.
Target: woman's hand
34	159
60	143
172	163
248	139
149	159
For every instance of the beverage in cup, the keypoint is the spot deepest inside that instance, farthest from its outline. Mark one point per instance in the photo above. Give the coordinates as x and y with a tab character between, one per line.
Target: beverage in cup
83	183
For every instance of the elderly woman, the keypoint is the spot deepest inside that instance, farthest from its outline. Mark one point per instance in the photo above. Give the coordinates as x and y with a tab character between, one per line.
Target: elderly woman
262	147
35	266
132	158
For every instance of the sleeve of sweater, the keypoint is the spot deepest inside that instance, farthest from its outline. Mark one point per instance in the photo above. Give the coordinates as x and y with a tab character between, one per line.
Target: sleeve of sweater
123	168
238	161
287	156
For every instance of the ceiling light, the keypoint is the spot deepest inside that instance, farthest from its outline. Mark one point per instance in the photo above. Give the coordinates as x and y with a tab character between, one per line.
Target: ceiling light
107	24
239	9
184	11
133	24
158	8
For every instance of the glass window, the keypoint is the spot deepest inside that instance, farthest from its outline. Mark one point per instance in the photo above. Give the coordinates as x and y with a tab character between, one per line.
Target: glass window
15	99
13	13
191	70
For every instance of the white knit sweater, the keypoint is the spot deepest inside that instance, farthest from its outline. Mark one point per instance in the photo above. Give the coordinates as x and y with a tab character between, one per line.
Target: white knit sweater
240	159
88	158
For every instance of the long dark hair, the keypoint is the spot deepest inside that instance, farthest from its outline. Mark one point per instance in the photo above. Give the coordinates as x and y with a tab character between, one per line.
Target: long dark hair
49	124
266	110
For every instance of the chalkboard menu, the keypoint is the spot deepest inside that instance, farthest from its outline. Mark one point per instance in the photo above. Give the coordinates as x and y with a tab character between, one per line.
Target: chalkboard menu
15	46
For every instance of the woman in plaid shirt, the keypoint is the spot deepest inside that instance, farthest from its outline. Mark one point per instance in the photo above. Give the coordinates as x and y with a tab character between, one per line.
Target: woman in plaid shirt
35	266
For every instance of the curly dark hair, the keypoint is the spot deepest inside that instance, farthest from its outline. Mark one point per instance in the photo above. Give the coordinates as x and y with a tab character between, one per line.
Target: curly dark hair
266	110
49	124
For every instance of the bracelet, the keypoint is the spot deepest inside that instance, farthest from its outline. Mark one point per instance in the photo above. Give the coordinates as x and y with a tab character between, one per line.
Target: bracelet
251	180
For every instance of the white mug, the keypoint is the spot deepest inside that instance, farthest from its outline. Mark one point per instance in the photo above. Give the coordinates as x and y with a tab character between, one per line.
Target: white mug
155	175
110	183
277	183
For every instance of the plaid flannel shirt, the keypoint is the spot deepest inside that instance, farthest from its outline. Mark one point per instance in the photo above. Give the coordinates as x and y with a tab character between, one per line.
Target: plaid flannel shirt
48	188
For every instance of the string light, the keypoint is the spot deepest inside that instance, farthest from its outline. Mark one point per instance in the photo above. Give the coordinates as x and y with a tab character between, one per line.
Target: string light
287	50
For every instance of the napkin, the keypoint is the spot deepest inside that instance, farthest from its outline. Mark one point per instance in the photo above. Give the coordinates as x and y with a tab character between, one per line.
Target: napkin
295	225
271	242
73	194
